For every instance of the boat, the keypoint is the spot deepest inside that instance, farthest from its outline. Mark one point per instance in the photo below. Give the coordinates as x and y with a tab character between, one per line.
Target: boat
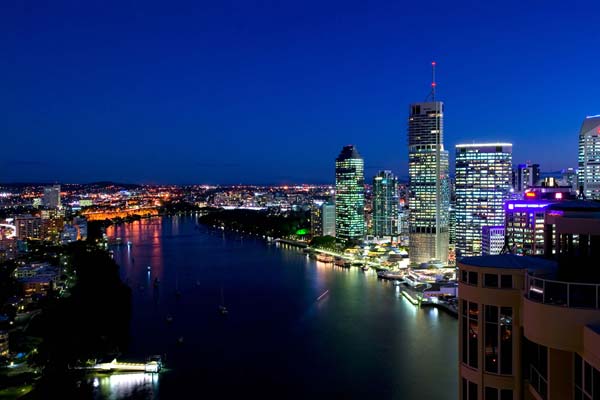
396	276
365	268
153	364
340	262
324	258
169	319
411	280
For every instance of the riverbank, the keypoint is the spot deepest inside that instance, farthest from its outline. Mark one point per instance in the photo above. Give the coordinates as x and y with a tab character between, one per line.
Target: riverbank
415	297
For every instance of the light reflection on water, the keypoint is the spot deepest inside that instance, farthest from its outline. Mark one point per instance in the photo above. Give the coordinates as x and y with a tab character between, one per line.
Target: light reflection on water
126	386
276	331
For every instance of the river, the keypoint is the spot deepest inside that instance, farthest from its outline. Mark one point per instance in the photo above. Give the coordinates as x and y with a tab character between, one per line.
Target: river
360	339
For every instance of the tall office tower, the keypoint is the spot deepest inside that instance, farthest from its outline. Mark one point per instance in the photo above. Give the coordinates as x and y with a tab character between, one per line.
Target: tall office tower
588	173
328	219
52	196
452	225
385	204
526	176
429	194
483	183
528	326
569	178
349	195
316	218
368	211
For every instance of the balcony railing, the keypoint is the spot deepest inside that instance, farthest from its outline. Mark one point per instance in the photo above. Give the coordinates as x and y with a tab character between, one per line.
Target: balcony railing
564	294
538	382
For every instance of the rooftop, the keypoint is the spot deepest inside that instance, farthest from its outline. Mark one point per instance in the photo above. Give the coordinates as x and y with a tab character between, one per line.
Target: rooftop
510	261
349	152
575	205
590	124
494	144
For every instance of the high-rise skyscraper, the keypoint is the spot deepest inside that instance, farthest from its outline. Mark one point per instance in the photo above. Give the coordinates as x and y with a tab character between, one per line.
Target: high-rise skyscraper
349	195
328	217
569	178
316	218
52	196
385	204
526	176
429	194
588	173
483	182
322	218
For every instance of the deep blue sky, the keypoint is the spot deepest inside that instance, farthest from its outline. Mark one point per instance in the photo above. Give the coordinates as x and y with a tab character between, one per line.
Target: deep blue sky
269	92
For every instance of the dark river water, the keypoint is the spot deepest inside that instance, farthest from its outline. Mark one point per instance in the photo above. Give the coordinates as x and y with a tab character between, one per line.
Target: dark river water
360	339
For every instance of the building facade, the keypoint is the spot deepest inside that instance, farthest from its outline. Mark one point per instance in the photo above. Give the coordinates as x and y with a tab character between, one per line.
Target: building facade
385	204
529	326
492	240
349	195
588	173
51	197
483	184
569	178
28	227
316	218
328	219
524	218
526	176
429	194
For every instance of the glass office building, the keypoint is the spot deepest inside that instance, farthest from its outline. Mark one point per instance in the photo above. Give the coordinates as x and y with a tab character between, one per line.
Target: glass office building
429	194
483	183
349	195
589	158
385	204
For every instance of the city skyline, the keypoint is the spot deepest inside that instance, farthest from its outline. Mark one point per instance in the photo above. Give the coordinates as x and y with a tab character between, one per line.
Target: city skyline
106	107
340	199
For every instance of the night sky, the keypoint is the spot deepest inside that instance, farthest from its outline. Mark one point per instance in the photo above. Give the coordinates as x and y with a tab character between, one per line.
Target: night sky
269	92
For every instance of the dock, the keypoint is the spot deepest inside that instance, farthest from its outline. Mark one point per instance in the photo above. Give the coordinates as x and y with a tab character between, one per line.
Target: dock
153	365
295	243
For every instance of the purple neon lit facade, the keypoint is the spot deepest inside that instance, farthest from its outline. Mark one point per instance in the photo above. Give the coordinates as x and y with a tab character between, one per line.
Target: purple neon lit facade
524	226
520	205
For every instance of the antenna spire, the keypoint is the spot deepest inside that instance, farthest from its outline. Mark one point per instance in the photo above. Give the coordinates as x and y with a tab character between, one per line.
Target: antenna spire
433	84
